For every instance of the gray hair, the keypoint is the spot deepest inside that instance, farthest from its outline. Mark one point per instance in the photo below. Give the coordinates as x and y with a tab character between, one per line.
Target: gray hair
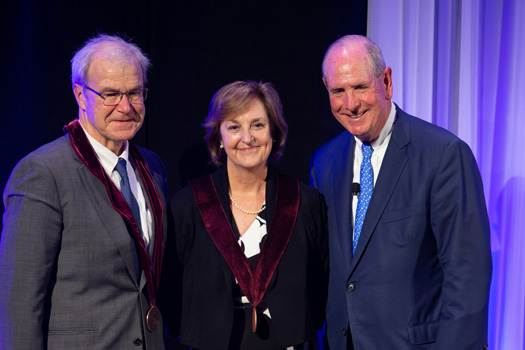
374	52
121	49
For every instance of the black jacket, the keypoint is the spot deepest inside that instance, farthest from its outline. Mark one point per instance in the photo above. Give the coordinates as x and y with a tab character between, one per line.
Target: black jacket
296	295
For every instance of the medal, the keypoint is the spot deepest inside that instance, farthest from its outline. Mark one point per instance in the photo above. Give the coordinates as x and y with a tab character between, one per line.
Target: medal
153	318
254	320
253	281
151	266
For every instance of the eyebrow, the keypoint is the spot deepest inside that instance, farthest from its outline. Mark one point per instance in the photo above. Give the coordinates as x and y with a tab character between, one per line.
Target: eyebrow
108	89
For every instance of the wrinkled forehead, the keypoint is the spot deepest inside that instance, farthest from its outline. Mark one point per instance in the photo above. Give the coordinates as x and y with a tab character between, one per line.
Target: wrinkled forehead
125	72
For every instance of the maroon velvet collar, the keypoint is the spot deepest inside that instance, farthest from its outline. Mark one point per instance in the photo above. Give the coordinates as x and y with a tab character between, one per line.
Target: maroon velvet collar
151	267
252	282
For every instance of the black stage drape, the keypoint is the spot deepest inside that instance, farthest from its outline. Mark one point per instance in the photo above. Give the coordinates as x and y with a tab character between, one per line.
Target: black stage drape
196	47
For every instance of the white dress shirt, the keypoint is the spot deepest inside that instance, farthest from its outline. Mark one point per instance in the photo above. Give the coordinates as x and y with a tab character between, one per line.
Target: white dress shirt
379	145
109	161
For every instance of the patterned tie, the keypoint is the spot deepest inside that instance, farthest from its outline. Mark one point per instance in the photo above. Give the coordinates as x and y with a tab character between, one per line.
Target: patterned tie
125	189
367	187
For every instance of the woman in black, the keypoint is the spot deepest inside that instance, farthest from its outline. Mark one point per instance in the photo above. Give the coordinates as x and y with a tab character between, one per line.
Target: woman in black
252	243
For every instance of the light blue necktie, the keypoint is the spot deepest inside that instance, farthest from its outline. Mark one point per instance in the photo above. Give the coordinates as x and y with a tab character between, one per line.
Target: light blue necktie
125	189
367	187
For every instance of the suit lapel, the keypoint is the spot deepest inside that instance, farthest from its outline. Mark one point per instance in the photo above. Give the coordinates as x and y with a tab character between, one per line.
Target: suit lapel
151	246
393	164
342	190
220	181
112	221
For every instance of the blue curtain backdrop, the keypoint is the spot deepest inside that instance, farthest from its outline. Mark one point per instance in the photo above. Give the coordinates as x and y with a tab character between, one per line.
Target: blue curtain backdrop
460	65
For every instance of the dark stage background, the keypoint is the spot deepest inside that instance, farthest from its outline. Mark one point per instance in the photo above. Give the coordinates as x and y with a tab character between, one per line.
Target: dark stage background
196	47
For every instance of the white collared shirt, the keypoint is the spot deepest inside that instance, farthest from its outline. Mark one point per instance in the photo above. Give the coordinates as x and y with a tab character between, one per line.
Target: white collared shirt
109	161
379	145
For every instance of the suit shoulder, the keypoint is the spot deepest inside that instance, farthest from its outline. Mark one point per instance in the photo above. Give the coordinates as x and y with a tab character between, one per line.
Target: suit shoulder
53	150
428	132
155	164
149	156
307	193
44	169
54	156
335	144
431	140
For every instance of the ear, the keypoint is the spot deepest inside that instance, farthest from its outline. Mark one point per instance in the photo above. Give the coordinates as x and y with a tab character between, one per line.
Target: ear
387	82
325	85
78	91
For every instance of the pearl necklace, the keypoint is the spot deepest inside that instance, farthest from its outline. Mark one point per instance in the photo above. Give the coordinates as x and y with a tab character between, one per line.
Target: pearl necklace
244	210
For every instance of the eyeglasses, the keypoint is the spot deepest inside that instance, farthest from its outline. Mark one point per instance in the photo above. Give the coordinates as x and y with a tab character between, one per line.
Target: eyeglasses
113	98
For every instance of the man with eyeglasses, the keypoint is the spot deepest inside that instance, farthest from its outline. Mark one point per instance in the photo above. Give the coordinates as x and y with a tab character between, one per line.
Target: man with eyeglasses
85	220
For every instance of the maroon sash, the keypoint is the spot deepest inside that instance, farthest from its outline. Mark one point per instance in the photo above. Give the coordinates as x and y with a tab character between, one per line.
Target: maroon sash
87	155
252	282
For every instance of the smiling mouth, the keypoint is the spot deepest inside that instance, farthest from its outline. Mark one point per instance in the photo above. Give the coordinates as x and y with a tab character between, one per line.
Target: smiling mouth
357	116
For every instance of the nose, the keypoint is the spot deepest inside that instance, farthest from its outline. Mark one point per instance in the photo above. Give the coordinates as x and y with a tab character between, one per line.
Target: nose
124	106
247	136
351	102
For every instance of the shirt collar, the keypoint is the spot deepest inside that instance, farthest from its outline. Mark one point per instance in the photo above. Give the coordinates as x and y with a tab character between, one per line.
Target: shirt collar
387	130
107	159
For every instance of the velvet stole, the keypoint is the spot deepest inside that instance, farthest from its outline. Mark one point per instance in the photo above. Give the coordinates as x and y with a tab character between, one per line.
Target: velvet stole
151	267
252	282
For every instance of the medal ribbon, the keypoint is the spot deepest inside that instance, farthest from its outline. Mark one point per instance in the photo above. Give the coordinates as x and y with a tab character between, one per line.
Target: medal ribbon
151	268
252	282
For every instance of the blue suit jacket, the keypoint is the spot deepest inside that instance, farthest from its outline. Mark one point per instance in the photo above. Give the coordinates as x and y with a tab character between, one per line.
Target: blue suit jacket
421	272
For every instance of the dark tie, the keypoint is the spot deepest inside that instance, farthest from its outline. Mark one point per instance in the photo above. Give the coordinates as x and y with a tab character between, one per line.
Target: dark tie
125	189
367	186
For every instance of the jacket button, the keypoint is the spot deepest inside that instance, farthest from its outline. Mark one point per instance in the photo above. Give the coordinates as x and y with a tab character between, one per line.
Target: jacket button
344	332
350	287
137	341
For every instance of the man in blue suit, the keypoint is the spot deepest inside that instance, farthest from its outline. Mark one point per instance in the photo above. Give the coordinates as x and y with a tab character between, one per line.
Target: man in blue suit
415	272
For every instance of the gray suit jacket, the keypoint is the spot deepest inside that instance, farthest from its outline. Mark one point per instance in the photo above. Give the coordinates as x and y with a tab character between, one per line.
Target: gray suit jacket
67	270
